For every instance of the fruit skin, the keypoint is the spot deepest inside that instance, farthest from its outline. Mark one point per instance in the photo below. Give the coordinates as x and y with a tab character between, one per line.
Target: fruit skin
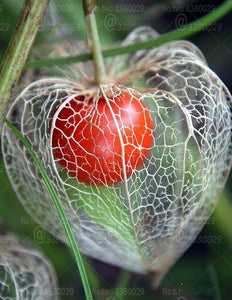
90	139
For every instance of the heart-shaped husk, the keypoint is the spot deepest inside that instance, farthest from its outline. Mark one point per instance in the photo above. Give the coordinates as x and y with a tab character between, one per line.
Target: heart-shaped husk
25	272
145	222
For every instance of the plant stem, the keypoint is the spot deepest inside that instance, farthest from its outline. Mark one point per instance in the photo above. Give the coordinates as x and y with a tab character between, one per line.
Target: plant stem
58	205
223	217
215	284
94	41
184	32
18	49
122	283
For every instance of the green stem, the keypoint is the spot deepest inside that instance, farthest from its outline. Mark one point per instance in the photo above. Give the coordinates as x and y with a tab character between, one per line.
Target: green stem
214	280
184	32
57	203
122	283
19	47
223	217
94	41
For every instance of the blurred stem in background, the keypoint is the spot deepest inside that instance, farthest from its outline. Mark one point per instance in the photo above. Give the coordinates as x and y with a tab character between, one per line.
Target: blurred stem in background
19	47
223	215
213	277
184	32
122	283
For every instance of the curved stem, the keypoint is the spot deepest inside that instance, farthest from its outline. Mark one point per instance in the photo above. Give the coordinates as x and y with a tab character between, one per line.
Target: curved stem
94	41
184	32
60	210
19	47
